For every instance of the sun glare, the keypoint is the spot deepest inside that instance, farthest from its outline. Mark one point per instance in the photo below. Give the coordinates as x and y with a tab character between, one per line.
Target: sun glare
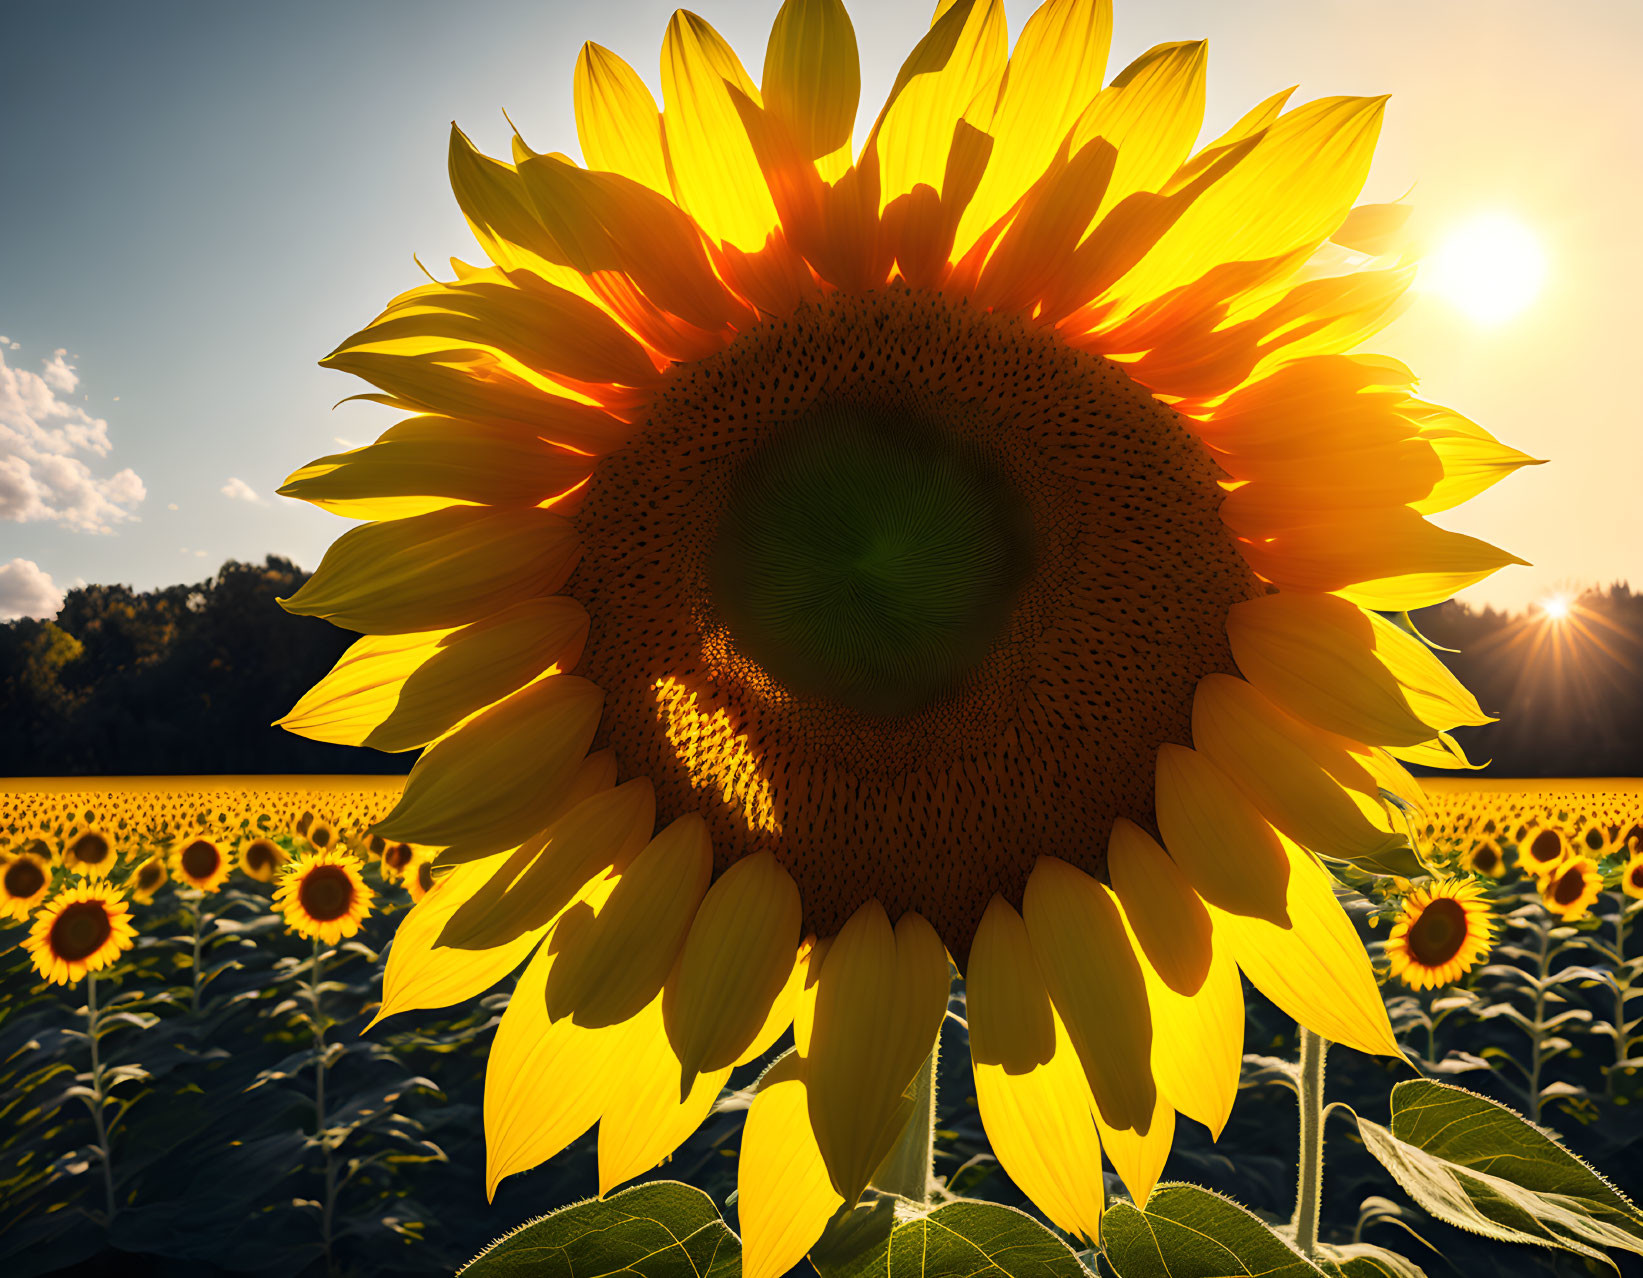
1491	267
1556	607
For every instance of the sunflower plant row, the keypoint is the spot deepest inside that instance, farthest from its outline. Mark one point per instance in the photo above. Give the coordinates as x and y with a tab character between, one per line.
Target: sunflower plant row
176	962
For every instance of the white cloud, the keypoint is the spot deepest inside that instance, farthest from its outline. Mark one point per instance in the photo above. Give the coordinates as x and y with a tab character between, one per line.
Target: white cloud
171	505
42	440
238	490
26	590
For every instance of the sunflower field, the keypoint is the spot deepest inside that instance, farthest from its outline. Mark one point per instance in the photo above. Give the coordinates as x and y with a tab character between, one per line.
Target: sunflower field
204	1087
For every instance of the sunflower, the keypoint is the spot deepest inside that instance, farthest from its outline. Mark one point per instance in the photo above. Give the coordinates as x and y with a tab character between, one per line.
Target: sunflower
1442	931
25	878
396	857
200	863
1545	851
1572	888
262	858
321	835
420	878
1631	874
1595	842
322	895
969	547
148	878
89	852
84	928
1484	857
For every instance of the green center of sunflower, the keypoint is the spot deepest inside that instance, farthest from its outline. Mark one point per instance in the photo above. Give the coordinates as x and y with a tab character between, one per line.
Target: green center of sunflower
326	893
866	556
79	930
1437	934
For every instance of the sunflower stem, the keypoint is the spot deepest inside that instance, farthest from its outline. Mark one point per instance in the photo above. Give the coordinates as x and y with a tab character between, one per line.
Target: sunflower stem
199	932
909	1169
1309	1189
1620	992
327	1207
93	1032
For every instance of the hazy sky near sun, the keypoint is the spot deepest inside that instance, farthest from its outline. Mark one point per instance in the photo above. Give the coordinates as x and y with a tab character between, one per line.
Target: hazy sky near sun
199	200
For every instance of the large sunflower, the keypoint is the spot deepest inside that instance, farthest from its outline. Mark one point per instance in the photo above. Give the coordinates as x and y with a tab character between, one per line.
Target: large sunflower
971	546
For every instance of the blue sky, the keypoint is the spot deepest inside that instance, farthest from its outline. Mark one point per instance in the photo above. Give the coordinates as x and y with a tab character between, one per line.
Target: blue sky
201	199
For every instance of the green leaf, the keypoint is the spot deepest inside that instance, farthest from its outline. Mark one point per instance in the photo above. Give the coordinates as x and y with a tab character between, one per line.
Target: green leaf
964	1239
1482	1167
1188	1232
659	1230
1365	1260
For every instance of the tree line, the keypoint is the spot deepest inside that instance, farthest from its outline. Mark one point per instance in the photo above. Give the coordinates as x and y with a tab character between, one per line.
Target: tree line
188	679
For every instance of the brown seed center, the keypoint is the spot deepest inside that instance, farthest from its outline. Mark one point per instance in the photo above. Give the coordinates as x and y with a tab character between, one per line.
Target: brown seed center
24	878
326	893
90	848
200	859
80	929
1439	932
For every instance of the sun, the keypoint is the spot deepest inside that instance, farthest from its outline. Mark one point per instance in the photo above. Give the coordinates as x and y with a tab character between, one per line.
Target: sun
1555	607
1490	266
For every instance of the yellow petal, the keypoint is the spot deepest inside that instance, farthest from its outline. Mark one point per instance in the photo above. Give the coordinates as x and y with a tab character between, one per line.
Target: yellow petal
964	51
532	326
391	694
804	1007
595	774
1054	70
783	1195
617	967
879	1005
438	570
430	462
1137	1156
415	977
1164	912
1390	560
716	177
608	222
1096	985
1350	672
492	782
527	1123
1316	971
1226	849
1035	1103
1198	1026
1288	193
1473	460
1283	766
785	1004
617	120
648	1121
736	959
1150	114
812	75
362	689
492	197
603	832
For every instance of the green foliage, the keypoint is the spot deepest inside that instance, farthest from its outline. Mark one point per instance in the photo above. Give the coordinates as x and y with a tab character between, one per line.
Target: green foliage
1188	1232
184	679
1481	1167
660	1230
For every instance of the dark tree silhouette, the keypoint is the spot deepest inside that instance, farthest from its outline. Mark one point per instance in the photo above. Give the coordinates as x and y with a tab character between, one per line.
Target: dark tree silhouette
185	679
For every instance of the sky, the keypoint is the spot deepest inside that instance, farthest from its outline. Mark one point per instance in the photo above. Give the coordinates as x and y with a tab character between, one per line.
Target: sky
200	200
